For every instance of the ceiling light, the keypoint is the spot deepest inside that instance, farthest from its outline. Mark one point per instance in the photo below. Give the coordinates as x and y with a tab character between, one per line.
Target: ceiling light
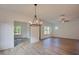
36	20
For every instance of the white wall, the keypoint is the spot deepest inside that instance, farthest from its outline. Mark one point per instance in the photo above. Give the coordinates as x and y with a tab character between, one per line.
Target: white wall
34	34
6	35
67	30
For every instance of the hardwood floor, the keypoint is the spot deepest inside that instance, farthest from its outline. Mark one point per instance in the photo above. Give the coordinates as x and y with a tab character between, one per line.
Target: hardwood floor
62	46
49	46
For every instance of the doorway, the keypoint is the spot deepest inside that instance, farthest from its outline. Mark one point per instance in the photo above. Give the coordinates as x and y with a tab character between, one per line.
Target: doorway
20	33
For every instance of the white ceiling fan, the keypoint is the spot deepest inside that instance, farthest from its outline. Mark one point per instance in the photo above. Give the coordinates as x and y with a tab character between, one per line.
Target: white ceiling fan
63	18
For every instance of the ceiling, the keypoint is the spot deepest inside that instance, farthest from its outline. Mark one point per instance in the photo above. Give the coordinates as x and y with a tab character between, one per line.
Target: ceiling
47	12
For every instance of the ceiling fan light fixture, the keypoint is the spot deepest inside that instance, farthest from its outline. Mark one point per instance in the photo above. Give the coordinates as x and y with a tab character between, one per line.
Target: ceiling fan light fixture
63	18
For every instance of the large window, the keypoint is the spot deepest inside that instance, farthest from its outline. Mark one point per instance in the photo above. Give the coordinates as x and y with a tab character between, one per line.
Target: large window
46	30
17	30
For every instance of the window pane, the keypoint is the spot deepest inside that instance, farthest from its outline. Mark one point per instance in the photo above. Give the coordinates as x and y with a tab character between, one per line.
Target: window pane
46	30
17	30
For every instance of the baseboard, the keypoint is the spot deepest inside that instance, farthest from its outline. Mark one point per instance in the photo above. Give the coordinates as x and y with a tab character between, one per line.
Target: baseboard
46	37
57	37
63	38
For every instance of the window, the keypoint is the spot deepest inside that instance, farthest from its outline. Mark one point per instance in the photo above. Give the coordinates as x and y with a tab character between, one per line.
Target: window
46	30
17	30
56	27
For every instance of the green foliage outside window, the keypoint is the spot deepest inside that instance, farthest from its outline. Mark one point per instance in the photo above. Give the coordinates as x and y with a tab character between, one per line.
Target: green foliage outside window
17	30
